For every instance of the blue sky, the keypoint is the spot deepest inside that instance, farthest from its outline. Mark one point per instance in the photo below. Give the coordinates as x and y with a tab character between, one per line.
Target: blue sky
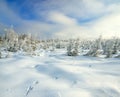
62	18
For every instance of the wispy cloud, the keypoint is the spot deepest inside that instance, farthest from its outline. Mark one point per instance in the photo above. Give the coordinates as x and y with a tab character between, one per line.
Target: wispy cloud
60	18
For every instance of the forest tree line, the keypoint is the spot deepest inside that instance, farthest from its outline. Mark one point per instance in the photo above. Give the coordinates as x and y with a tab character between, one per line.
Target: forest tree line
11	41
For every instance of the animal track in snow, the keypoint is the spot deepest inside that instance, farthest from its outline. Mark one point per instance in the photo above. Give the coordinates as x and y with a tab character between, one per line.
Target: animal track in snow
30	88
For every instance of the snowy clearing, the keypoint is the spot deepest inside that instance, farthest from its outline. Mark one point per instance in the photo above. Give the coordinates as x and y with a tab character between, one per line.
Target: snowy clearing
57	75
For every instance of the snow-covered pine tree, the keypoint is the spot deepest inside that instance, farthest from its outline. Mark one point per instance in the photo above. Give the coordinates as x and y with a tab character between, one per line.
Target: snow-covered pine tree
109	53
69	48
115	46
11	40
72	48
58	44
108	50
76	47
52	45
96	48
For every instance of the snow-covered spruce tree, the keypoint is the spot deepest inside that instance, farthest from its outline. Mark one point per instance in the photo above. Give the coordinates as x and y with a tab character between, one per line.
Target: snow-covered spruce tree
11	40
95	48
109	53
58	44
52	45
72	48
115	46
27	47
45	45
109	48
69	48
76	47
104	46
92	51
21	41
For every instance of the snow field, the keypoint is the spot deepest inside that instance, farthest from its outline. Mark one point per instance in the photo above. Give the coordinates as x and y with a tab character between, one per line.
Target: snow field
57	75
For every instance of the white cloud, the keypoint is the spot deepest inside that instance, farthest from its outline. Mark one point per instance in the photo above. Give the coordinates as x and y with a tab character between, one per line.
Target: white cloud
75	8
60	18
108	26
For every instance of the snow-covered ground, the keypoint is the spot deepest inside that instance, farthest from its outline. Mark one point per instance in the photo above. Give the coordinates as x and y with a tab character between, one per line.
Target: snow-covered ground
53	74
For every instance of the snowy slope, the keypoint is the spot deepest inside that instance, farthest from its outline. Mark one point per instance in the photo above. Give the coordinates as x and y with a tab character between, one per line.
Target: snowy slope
57	75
